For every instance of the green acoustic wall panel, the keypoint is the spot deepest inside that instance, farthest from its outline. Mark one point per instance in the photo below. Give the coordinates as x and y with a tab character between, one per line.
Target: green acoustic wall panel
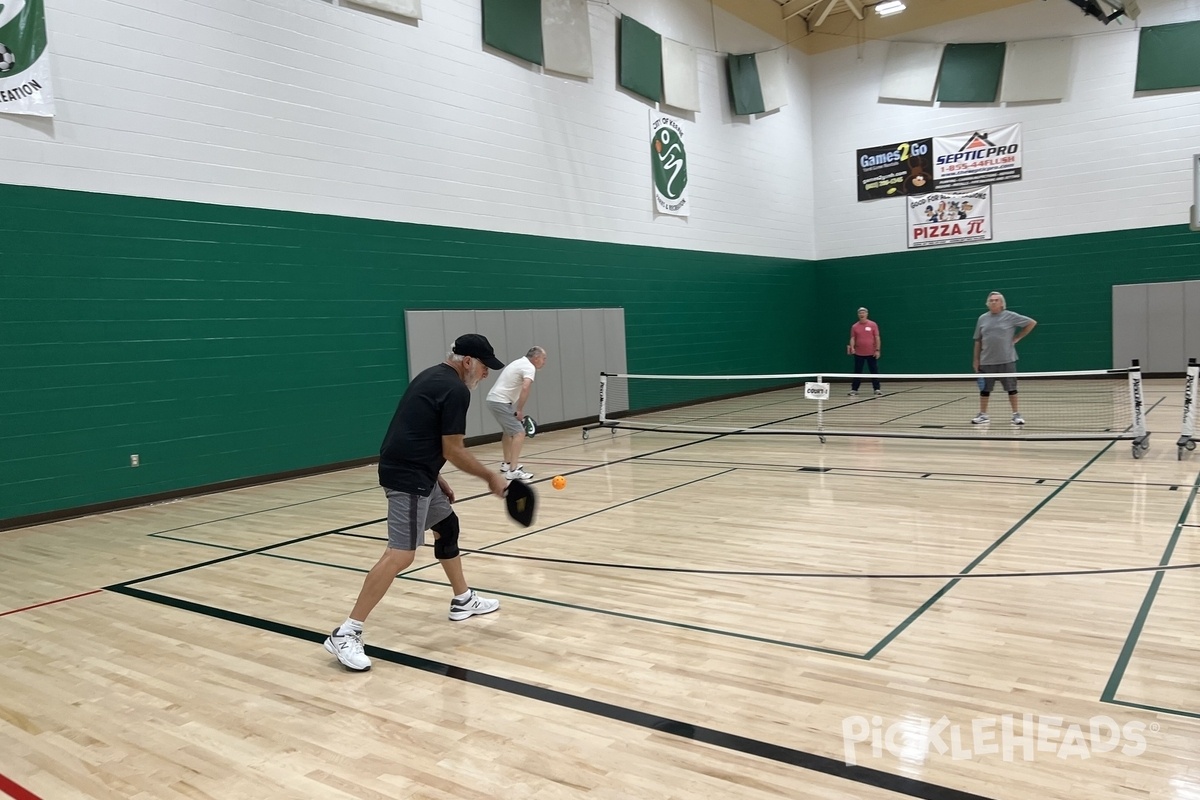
745	89
926	302
641	59
1168	57
970	73
514	27
220	343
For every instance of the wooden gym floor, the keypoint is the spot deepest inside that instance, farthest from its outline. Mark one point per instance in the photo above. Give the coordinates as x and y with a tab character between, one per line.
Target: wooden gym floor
691	617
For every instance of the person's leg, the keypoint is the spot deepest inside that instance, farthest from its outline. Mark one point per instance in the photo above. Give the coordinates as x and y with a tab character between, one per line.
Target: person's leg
873	366
515	442
379	580
466	602
512	436
858	368
503	412
1010	385
406	531
984	396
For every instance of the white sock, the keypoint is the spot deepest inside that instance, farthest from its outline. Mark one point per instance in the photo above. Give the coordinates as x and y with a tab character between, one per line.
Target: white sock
350	626
464	597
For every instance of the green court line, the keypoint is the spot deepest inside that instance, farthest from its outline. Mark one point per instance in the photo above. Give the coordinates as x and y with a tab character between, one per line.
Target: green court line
1135	631
895	632
1157	709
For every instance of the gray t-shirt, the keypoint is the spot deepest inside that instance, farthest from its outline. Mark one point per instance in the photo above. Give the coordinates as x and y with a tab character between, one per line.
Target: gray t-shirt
995	333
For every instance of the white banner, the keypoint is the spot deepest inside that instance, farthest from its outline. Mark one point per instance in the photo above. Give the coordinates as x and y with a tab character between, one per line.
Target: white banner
668	163
950	218
24	60
969	159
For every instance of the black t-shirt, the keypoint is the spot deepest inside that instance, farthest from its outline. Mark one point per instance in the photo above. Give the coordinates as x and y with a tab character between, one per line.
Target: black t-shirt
434	405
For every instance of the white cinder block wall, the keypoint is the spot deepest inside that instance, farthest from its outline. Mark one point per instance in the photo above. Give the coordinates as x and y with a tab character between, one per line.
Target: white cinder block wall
1102	159
304	105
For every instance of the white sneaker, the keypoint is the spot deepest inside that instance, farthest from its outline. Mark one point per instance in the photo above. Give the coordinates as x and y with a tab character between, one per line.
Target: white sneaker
349	650
474	604
879	392
1018	419
980	419
851	394
518	474
505	466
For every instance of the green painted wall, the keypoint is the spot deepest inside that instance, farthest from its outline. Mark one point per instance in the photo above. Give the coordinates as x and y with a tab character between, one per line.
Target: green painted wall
219	343
222	343
926	301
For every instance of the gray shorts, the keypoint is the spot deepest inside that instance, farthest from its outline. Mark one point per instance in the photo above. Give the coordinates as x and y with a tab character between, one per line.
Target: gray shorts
506	415
410	515
1009	384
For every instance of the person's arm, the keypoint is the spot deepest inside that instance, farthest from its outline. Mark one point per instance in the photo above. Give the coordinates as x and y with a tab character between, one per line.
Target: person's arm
850	347
878	342
457	454
520	404
1028	329
446	490
975	360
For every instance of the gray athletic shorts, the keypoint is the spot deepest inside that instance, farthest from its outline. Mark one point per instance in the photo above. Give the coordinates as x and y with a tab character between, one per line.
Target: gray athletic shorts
1009	384
410	515
506	415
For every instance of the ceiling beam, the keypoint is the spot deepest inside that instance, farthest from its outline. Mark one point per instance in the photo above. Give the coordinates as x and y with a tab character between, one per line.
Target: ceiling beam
825	13
855	8
795	7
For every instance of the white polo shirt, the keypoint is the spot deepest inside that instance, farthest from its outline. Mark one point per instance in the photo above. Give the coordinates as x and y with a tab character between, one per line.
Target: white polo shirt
512	379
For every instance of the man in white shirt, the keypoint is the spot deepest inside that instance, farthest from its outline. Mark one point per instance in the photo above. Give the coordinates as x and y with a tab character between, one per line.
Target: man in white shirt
507	402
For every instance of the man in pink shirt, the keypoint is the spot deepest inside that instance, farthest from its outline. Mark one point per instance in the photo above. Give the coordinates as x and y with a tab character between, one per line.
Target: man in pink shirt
865	344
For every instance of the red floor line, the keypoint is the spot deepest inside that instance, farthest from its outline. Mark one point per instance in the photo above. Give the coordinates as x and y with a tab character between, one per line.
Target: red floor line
39	605
15	791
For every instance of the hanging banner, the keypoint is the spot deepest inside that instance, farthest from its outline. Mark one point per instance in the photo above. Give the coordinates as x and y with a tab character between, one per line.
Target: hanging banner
24	60
971	159
950	218
895	169
668	163
940	164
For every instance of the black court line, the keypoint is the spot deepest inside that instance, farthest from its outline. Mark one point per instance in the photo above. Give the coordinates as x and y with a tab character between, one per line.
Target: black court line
811	762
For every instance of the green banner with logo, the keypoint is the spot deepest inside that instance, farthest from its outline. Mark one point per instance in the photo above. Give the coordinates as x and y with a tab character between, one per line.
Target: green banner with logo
24	59
669	164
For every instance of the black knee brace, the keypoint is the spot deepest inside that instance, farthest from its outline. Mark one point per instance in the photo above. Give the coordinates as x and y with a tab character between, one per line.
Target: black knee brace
985	394
445	546
1014	391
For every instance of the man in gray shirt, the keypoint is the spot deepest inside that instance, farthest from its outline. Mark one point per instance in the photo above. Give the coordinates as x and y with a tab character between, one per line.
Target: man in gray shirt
996	352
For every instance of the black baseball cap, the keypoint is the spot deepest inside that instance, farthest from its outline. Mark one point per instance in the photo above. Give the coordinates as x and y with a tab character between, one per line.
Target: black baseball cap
477	346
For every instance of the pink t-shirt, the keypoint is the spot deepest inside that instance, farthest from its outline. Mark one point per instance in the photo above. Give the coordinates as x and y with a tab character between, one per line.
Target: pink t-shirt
863	333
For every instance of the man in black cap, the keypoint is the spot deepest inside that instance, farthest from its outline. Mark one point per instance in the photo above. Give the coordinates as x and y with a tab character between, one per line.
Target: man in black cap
427	430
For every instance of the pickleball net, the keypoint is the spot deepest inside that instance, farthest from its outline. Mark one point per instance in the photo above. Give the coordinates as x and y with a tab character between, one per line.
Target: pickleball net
1055	406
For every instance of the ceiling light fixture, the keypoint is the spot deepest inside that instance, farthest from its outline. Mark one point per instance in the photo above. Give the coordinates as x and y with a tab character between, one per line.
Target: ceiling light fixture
886	9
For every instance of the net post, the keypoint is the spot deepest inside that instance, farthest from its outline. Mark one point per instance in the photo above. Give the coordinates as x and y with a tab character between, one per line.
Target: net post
603	397
821	412
600	420
1187	431
1141	440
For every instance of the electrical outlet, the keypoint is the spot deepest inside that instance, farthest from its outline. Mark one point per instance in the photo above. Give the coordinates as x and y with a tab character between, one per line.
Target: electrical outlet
134	460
